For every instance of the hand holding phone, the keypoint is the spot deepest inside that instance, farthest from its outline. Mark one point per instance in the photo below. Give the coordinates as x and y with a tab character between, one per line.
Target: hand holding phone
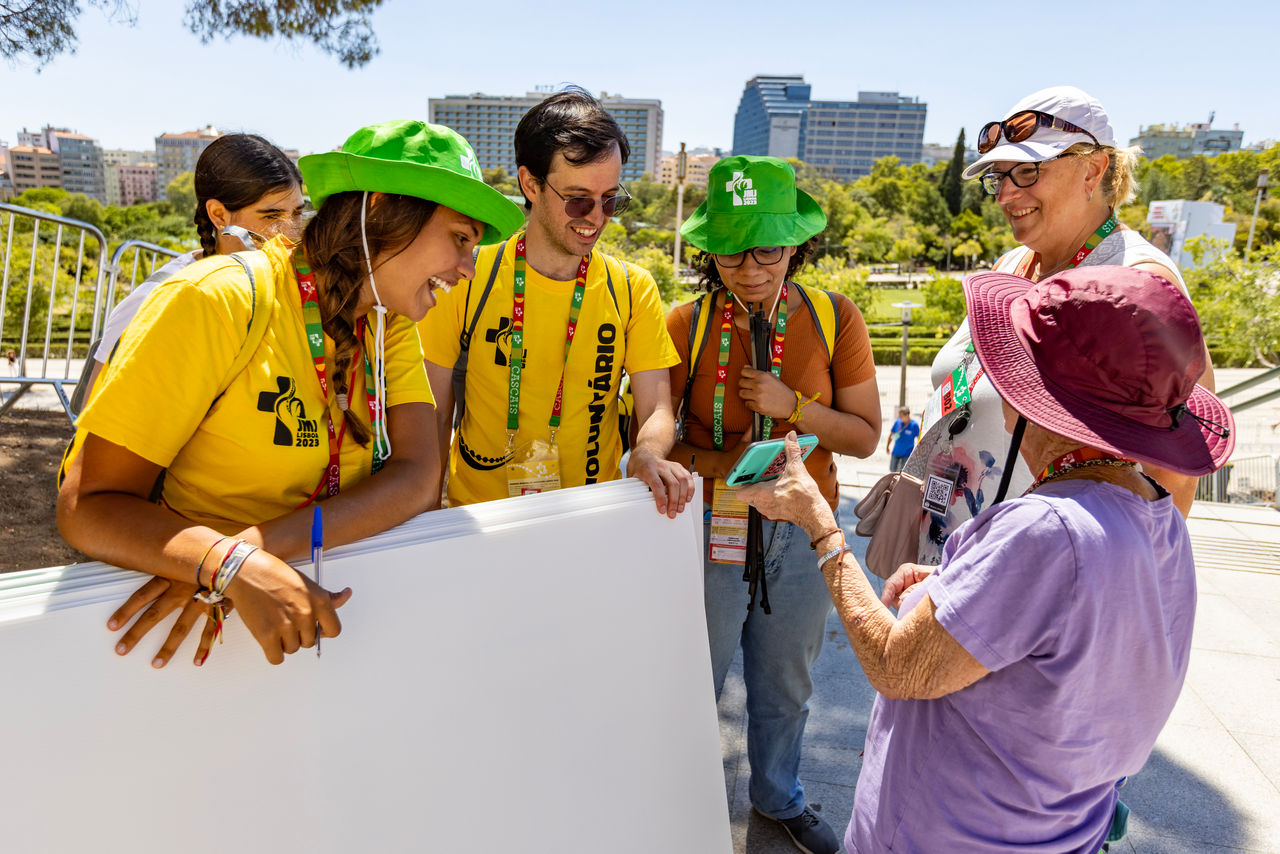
766	460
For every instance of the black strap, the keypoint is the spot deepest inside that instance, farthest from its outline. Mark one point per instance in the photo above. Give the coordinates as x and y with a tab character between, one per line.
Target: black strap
459	377
695	354
1014	446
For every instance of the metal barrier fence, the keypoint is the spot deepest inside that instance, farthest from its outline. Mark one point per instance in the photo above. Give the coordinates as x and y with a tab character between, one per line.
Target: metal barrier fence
55	294
1248	480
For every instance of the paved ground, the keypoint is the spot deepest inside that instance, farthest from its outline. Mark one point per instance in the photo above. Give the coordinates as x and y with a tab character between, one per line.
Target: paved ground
1211	785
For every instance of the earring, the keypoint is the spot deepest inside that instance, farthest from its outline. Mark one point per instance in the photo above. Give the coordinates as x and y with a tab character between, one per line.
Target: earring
1090	195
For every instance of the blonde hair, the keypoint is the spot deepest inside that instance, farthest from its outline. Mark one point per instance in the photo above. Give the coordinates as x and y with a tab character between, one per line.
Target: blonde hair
1119	184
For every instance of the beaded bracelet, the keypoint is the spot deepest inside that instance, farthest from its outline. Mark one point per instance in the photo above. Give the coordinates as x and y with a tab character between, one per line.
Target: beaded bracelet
801	403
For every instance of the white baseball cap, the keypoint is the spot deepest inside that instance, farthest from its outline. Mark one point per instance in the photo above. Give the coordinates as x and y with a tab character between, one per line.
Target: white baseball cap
1062	102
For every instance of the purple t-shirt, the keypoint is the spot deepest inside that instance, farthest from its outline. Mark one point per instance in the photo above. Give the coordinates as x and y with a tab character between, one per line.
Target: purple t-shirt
1079	599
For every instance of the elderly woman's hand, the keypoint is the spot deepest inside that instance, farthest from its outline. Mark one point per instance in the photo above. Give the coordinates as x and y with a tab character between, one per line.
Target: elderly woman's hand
793	497
906	577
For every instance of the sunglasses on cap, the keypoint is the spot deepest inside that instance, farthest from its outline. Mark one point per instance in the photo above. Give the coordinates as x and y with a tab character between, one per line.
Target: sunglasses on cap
1020	126
764	255
578	207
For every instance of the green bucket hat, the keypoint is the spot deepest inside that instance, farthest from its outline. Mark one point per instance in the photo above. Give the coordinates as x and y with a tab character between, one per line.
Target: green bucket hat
752	201
413	158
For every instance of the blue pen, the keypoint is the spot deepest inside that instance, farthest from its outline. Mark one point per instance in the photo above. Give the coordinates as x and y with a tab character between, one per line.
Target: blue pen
317	556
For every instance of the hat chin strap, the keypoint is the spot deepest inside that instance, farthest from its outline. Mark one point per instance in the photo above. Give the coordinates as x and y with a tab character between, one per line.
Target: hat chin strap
382	438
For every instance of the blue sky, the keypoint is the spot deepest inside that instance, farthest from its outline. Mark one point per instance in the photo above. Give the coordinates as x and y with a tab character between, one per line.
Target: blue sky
1168	62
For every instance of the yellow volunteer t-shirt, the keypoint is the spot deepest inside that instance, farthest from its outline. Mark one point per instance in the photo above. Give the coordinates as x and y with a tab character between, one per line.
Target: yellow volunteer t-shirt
630	335
260	449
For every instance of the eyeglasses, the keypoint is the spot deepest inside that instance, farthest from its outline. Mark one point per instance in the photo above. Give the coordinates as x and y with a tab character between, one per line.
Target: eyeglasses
1023	175
1020	126
578	207
764	255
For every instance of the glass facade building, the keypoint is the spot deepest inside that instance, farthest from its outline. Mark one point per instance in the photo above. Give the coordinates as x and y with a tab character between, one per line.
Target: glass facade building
489	124
842	139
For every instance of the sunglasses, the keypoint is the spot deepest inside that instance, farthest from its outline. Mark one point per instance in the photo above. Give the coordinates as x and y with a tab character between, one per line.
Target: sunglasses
578	207
764	255
1020	127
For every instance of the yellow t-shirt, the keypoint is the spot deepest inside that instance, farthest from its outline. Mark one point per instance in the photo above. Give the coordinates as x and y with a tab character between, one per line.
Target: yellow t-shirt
259	450
589	446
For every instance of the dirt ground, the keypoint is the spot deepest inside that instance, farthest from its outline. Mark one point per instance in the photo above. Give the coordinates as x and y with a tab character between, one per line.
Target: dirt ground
31	444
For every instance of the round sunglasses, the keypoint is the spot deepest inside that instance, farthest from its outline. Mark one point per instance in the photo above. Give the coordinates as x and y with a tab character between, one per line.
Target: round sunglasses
1020	127
764	255
578	207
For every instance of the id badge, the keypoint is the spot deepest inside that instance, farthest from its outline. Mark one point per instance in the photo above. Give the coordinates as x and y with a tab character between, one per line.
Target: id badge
728	542
939	487
534	468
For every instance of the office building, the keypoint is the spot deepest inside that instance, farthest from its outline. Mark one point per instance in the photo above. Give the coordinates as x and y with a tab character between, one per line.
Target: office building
771	115
1183	142
843	139
177	153
79	159
489	124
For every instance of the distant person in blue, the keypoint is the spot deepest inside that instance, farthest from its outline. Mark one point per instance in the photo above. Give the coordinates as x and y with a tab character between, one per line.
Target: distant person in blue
907	430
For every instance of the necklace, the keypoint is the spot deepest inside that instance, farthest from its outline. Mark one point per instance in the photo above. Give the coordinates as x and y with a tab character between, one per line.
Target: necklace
1078	459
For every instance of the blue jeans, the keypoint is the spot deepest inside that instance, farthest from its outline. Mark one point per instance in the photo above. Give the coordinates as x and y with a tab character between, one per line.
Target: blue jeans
897	463
778	651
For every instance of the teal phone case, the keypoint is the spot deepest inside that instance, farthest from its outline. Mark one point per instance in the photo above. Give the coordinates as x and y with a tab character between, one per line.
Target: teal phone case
766	460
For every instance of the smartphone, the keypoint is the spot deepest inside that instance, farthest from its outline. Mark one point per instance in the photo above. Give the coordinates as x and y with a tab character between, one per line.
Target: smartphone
766	460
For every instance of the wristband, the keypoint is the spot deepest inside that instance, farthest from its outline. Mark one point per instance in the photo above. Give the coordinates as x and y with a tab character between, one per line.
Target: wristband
822	561
801	403
205	556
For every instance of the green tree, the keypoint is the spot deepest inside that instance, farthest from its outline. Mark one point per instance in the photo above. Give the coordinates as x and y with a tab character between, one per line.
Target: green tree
498	178
181	193
952	189
1238	301
39	30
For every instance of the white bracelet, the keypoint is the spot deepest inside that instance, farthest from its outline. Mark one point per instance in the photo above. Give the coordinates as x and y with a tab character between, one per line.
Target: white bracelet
222	578
822	561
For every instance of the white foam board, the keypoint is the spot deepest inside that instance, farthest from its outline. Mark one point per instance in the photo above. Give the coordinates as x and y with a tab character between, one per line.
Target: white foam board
528	675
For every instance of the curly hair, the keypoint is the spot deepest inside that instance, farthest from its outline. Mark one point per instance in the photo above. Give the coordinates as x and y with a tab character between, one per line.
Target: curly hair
332	245
704	264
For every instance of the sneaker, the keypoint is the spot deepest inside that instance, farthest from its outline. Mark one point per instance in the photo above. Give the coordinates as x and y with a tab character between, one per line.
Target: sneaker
809	833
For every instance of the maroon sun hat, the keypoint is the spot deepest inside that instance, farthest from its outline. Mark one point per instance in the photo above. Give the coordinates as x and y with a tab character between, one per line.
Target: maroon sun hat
1107	356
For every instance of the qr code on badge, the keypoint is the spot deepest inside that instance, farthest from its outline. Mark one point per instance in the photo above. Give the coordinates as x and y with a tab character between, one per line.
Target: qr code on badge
937	494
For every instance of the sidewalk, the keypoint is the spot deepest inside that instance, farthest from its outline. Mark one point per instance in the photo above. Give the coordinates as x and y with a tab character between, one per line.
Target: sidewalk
1212	783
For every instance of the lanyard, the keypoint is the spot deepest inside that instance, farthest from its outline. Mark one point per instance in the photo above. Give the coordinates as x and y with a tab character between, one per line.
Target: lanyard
722	365
1090	244
330	481
516	363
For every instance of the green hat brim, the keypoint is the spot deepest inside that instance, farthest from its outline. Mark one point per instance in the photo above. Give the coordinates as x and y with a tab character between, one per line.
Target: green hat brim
339	171
725	234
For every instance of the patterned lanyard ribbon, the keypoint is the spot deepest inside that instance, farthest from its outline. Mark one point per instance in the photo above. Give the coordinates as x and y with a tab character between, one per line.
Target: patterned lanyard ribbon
516	364
330	482
722	366
1090	244
1077	459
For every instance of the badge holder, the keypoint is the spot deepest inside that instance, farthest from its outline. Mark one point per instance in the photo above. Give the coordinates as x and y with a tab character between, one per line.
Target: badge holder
728	541
534	467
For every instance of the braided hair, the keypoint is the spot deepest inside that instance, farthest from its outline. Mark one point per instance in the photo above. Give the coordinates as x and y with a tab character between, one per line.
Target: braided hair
332	246
237	169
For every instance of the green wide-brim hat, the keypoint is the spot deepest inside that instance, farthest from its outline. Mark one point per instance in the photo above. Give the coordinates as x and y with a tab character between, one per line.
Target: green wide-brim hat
413	158
752	201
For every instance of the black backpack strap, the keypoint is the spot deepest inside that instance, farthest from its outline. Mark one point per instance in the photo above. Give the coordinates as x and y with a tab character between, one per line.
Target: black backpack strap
695	355
459	378
1014	445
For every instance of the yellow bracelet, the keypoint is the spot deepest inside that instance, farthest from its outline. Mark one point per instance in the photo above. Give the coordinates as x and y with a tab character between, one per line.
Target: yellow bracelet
801	403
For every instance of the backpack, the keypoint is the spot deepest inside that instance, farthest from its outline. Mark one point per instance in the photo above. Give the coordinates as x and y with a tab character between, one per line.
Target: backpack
262	293
459	378
825	313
